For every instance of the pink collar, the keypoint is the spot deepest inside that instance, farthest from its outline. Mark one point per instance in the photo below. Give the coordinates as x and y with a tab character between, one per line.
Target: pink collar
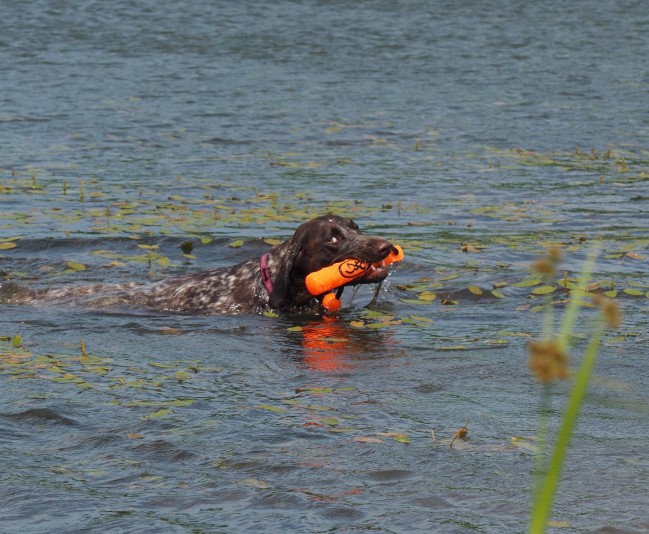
265	275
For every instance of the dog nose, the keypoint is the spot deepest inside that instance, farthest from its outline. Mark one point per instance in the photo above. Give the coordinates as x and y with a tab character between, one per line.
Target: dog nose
384	247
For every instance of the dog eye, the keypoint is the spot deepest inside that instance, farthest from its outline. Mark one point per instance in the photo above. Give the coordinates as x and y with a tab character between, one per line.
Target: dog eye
332	240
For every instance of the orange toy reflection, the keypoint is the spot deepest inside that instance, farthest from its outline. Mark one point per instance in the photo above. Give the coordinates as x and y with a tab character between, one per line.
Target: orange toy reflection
327	345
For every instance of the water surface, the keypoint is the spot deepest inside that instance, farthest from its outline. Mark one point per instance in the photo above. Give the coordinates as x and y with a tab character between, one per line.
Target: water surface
501	127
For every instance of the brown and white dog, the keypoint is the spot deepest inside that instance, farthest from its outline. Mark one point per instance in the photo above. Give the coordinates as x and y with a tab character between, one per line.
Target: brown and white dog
276	281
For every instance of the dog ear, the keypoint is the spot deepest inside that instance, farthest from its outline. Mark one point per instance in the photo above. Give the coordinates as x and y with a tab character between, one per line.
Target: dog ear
280	295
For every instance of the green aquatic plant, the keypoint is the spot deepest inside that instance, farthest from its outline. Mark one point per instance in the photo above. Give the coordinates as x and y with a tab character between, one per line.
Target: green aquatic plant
549	362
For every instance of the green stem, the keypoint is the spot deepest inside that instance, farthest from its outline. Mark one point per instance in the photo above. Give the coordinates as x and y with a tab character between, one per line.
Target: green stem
548	318
540	463
545	496
572	309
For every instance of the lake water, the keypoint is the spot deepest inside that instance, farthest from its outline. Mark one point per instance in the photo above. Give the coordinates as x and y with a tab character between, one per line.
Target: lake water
473	135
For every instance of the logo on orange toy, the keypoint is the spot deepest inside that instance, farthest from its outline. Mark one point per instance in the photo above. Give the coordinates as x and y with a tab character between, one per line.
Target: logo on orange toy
352	268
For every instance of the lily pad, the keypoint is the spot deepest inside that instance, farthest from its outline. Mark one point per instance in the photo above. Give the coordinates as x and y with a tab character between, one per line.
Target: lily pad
76	266
160	413
544	290
270	408
475	290
528	282
633	292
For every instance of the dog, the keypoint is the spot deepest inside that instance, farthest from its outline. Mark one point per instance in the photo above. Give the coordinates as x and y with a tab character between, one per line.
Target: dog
275	281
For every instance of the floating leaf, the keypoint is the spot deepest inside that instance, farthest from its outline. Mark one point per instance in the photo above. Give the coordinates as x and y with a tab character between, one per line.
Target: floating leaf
331	339
67	378
160	413
140	403
475	290
402	438
181	402
498	294
17	342
149	247
330	421
135	436
236	244
383	324
592	287
580	293
421	319
635	256
565	283
255	483
182	376
163	365
314	391
528	282
377	315
341	429
170	331
427	296
317	407
416	302
496	342
523	443
76	266
270	408
7	246
634	292
364	439
544	290
98	370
